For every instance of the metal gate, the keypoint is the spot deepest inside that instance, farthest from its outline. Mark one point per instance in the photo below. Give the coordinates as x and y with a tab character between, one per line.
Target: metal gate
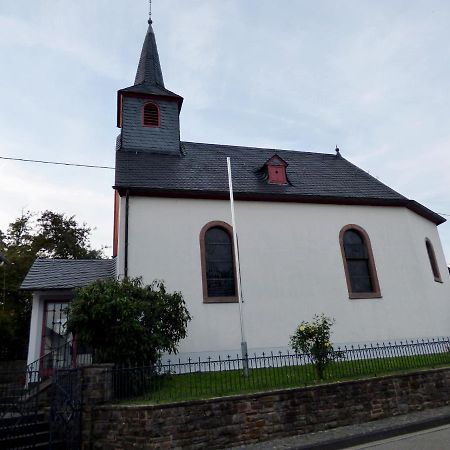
66	410
23	424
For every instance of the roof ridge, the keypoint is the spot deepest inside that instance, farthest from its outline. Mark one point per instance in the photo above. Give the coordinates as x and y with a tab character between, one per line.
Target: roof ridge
259	148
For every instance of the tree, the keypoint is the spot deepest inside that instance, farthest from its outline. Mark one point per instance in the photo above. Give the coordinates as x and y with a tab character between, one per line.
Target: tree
126	322
313	339
47	234
59	236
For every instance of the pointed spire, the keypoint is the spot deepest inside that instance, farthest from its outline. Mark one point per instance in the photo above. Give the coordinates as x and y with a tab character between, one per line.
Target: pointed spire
149	71
149	79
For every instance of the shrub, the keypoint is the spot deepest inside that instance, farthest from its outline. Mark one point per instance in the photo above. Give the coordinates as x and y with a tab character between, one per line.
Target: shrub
313	339
126	322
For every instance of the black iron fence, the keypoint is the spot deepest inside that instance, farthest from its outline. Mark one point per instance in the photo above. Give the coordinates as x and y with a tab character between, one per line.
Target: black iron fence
65	356
24	392
66	410
177	381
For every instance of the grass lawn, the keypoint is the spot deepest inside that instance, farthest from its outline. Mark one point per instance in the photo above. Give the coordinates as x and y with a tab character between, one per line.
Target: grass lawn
146	389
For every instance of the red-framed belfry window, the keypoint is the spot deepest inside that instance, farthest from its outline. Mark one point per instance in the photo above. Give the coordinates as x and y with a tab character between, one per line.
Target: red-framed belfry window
54	351
151	115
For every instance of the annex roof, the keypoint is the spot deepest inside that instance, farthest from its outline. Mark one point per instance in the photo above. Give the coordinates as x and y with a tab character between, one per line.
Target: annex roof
201	171
48	274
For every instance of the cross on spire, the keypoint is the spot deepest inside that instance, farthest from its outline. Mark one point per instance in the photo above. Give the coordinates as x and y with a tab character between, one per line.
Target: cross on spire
150	11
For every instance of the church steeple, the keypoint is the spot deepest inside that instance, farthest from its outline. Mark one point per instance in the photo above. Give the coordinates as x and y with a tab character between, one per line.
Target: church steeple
149	70
149	78
147	112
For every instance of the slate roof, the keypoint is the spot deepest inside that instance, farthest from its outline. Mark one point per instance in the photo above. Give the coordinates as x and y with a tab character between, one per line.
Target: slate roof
151	90
149	77
46	274
203	167
200	170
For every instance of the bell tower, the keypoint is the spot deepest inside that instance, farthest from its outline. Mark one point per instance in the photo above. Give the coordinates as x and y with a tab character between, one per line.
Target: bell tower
147	112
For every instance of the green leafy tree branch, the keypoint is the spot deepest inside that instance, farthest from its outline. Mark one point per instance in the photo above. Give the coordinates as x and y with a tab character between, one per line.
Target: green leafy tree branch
47	234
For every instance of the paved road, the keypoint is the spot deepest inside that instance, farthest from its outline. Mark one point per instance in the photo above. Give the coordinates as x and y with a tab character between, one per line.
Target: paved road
420	430
432	439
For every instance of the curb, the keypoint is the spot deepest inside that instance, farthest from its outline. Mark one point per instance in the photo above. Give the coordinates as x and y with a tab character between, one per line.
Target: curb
359	434
365	438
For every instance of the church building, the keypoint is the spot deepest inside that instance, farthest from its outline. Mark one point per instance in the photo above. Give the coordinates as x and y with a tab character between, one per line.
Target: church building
316	235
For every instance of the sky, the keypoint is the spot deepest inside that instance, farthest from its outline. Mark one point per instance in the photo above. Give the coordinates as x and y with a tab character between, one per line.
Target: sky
369	76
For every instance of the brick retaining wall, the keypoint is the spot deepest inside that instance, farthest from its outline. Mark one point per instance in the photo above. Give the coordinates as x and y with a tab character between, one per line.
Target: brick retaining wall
225	422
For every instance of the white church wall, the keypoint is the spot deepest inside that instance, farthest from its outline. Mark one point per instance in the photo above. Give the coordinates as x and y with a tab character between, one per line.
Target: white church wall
292	268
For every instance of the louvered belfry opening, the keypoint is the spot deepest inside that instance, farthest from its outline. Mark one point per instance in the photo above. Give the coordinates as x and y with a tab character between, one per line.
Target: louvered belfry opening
151	115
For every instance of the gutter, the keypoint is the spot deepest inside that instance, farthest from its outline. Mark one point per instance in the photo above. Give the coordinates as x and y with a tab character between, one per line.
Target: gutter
285	197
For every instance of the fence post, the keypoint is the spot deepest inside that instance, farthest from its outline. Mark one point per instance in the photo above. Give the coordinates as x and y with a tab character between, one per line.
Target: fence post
97	388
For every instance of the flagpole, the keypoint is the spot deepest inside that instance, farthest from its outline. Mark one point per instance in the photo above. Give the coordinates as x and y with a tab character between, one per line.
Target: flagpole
244	349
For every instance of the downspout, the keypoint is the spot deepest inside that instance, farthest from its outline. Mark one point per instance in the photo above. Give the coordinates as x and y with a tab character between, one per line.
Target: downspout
127	208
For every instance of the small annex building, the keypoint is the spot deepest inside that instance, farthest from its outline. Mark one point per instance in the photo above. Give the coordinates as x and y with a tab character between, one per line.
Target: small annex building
52	282
316	235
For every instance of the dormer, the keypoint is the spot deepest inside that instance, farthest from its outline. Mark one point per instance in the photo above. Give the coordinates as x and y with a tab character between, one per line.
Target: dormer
275	168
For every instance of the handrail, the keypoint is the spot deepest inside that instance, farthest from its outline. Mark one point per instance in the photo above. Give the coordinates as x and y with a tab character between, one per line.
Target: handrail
36	371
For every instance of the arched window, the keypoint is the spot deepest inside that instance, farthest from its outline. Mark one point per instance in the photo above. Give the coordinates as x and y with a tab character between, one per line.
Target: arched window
217	258
150	115
433	262
359	265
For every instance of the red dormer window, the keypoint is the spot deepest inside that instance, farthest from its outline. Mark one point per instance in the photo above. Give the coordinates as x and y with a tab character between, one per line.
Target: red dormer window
276	170
150	115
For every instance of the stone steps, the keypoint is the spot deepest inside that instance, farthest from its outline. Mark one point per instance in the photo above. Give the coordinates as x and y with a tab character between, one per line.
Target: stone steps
24	431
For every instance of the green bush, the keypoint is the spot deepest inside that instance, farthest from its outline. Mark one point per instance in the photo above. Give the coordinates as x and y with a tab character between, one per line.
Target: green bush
126	322
313	339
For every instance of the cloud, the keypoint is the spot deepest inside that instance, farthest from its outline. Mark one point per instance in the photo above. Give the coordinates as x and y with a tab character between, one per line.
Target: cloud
52	35
371	77
28	188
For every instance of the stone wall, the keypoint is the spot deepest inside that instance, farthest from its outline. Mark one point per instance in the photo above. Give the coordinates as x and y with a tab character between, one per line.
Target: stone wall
96	390
224	422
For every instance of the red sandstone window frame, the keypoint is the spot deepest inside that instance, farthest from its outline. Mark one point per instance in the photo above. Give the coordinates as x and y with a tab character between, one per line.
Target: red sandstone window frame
229	230
376	292
143	115
433	261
